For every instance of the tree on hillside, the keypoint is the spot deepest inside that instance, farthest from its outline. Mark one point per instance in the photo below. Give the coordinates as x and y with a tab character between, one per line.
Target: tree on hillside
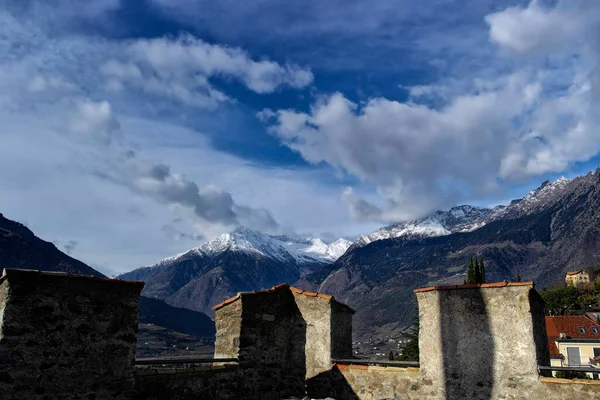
477	270
560	300
391	355
411	350
481	270
518	278
471	273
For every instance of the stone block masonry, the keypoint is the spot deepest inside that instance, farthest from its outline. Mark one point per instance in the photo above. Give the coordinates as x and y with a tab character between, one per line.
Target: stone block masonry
67	336
73	337
282	337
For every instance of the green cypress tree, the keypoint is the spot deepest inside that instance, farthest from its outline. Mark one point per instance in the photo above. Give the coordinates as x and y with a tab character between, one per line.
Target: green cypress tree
482	270
477	271
518	279
391	356
471	272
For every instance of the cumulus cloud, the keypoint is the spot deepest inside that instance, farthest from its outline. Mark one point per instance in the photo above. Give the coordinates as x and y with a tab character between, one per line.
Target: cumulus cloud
418	157
453	141
181	68
536	28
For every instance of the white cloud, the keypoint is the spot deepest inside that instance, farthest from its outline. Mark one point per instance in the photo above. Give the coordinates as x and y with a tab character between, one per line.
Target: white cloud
93	121
456	140
360	209
181	68
537	28
418	157
70	115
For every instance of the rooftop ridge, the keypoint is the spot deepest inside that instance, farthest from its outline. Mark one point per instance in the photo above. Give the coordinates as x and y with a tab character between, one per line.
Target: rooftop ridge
474	286
11	271
575	272
275	288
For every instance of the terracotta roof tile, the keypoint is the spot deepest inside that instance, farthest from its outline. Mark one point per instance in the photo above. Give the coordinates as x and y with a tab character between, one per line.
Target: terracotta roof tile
473	286
225	302
574	272
569	325
358	366
279	287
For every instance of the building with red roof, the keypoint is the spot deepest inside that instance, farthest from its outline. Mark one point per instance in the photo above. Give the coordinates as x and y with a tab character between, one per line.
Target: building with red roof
573	341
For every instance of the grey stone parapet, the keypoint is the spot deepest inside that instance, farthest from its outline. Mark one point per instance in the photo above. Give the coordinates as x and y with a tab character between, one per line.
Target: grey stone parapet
67	336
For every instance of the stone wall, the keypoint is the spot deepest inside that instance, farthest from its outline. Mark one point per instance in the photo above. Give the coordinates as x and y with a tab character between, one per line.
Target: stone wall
355	382
66	337
73	337
476	342
223	383
272	340
282	337
480	341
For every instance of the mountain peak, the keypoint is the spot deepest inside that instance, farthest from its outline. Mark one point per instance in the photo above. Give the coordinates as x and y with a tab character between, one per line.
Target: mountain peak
281	247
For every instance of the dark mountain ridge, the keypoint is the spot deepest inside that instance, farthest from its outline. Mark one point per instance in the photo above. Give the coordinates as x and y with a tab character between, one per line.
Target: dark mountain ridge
193	323
543	235
20	248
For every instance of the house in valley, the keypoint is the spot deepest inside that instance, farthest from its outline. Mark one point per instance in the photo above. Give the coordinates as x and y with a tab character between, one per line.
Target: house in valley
573	341
577	278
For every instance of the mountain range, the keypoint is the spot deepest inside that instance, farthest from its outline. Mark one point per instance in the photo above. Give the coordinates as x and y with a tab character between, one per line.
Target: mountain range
242	260
553	229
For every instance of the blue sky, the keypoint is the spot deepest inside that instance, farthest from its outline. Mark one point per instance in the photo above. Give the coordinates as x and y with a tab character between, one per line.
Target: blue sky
133	130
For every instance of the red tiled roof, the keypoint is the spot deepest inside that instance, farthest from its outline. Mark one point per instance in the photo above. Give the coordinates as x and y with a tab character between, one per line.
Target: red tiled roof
473	286
569	325
273	289
575	272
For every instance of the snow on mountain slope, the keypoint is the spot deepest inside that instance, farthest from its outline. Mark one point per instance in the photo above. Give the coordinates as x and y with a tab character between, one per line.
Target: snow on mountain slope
545	195
458	219
468	218
280	248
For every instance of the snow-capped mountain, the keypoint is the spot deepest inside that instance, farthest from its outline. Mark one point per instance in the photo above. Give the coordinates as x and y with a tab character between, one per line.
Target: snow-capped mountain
467	218
458	219
549	231
282	248
241	260
536	200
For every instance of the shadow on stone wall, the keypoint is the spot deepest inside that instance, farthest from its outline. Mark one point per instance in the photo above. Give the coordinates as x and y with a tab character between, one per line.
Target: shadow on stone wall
330	383
540	337
272	348
468	358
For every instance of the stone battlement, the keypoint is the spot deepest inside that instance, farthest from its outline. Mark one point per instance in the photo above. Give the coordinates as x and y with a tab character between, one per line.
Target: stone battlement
73	337
67	336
